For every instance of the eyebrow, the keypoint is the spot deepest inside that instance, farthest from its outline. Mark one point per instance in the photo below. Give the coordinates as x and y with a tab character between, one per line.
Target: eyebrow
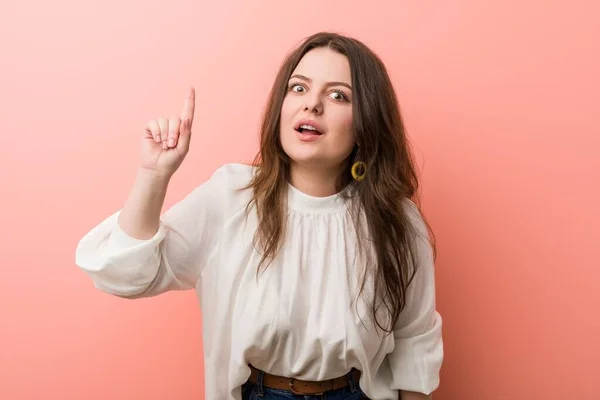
328	83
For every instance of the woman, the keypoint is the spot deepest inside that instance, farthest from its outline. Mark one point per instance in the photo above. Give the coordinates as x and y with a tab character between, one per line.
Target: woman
313	266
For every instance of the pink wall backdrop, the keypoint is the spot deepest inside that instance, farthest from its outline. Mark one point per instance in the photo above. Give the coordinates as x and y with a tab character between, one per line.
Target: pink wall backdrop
501	99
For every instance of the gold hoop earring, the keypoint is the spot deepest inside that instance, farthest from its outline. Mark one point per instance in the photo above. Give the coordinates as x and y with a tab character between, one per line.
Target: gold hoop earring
356	167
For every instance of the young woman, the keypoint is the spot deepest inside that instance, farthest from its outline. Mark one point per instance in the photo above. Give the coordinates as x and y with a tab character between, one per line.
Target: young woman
313	266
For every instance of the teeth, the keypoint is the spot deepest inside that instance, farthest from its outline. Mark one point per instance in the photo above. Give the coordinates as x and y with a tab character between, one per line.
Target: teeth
308	127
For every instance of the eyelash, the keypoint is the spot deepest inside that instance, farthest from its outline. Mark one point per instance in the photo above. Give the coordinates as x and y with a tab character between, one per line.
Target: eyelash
345	98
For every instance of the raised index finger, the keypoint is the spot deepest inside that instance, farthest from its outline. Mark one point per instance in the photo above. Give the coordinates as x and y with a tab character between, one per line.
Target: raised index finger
188	107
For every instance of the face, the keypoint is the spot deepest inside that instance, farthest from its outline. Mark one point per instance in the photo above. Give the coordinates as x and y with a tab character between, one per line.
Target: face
316	115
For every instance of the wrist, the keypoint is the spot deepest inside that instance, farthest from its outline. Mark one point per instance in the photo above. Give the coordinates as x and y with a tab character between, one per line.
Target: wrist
153	177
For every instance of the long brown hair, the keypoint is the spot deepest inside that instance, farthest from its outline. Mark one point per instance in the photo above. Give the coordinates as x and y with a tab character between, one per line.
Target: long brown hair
391	176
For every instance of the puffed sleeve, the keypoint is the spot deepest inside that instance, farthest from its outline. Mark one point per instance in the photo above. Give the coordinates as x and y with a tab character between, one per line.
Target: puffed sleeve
418	350
171	260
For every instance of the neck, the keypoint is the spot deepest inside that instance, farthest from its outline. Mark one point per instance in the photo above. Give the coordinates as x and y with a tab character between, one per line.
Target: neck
314	181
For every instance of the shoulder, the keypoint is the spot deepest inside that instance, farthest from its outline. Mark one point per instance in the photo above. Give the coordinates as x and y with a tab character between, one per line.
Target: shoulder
227	185
424	245
233	175
415	219
413	214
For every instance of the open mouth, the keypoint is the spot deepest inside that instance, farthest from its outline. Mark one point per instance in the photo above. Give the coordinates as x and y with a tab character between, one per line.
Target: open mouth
307	129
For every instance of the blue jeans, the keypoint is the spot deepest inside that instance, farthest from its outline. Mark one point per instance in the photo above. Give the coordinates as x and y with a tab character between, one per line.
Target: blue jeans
255	391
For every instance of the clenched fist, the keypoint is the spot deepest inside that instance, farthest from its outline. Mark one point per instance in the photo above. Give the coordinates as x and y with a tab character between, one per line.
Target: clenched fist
167	140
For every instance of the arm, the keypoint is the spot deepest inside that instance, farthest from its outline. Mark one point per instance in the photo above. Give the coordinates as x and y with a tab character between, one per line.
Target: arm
418	352
136	252
140	216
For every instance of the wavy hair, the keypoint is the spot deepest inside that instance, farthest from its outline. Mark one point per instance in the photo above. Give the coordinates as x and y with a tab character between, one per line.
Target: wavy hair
391	176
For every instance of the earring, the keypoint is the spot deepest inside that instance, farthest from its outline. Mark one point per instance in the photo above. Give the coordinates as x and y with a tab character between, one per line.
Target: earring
359	171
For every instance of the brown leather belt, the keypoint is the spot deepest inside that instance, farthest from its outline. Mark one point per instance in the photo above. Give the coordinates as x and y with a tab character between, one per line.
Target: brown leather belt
297	386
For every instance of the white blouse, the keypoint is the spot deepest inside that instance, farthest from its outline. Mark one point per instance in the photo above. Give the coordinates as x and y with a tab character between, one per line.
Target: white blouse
298	317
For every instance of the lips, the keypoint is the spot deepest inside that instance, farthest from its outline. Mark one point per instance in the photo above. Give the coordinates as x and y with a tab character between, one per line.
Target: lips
308	127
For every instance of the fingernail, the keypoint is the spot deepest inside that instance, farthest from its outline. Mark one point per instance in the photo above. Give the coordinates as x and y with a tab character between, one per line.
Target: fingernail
157	138
171	142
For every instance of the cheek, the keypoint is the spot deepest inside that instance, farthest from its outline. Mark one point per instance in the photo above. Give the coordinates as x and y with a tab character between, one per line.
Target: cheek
347	123
343	123
287	110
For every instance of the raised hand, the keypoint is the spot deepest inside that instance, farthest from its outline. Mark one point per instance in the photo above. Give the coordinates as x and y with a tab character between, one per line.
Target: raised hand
167	140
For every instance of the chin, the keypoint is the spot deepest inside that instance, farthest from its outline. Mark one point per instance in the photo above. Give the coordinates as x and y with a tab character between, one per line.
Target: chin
300	151
309	153
302	158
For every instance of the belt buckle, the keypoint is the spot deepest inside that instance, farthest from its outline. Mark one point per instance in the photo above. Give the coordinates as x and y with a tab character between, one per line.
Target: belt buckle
291	383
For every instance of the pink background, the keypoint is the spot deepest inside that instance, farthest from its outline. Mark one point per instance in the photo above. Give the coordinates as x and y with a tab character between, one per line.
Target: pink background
501	99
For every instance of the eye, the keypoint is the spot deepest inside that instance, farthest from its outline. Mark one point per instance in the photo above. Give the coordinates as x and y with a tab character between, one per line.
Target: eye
296	87
338	96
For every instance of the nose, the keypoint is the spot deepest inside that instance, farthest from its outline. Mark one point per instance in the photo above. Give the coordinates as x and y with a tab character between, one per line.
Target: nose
313	104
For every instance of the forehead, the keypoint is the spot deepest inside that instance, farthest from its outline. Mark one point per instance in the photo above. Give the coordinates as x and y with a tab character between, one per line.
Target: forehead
323	64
